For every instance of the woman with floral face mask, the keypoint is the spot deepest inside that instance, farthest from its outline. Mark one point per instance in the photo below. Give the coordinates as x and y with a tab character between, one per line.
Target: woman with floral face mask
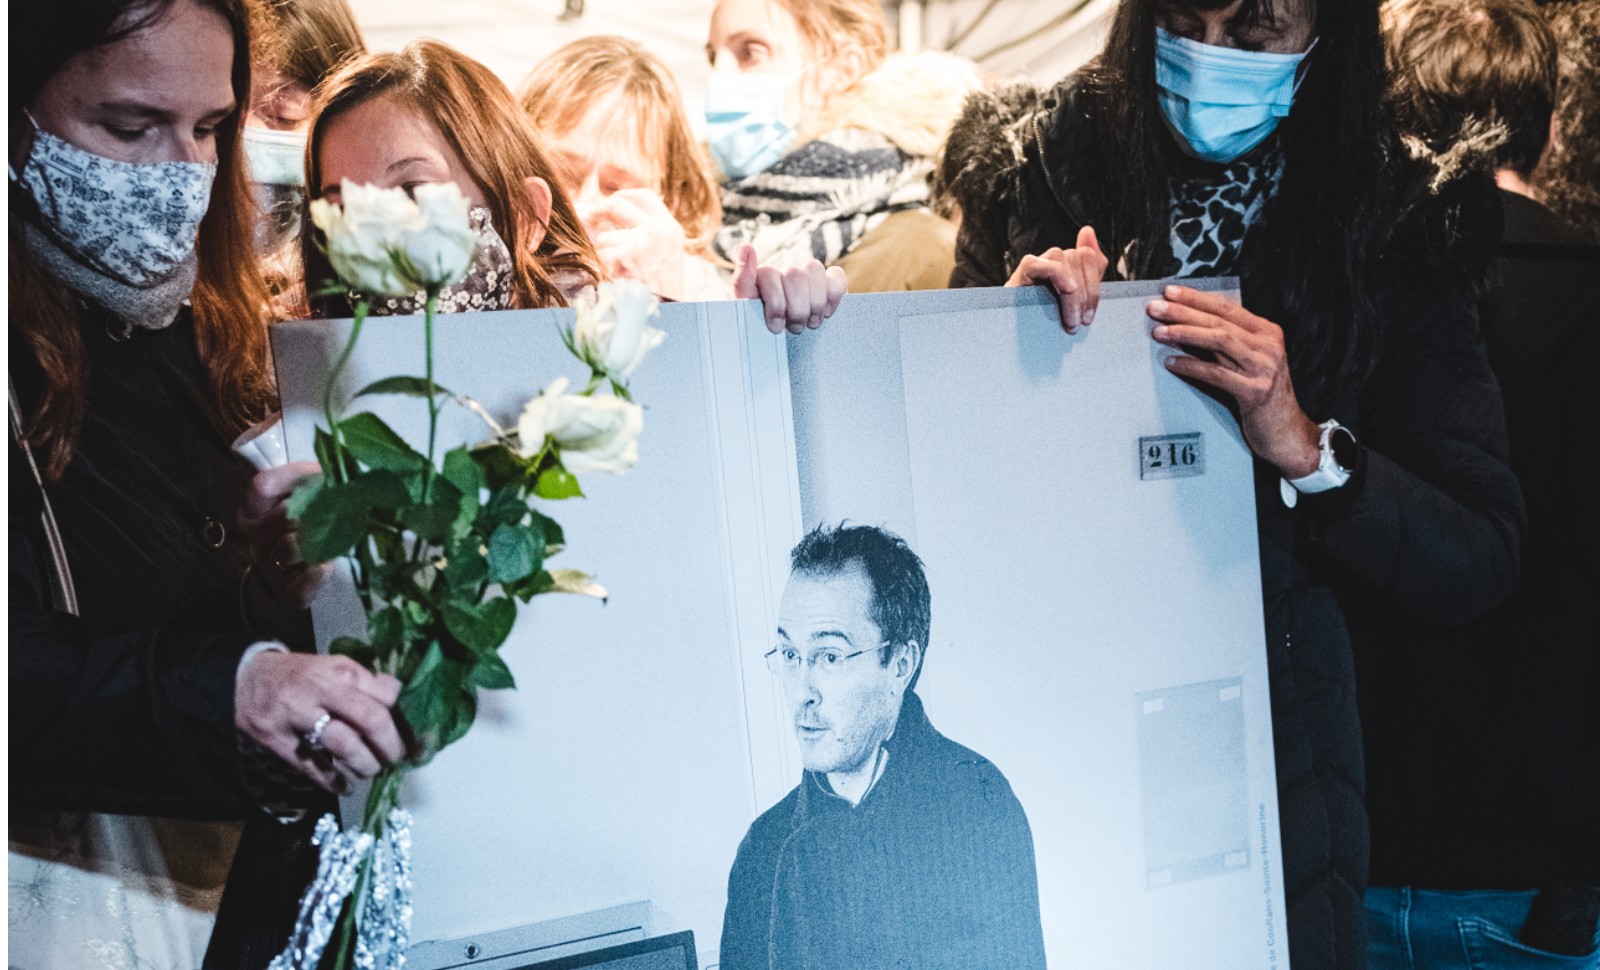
1245	137
430	114
152	582
825	142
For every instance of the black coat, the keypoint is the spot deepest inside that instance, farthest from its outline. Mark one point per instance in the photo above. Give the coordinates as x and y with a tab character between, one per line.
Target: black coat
1483	741
933	869
128	708
1429	525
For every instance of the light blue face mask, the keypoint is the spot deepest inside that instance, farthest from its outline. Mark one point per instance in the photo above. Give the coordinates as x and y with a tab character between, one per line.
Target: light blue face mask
1223	102
744	122
276	157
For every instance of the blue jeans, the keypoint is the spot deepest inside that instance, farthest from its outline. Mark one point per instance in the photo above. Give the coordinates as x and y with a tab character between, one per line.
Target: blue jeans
1423	929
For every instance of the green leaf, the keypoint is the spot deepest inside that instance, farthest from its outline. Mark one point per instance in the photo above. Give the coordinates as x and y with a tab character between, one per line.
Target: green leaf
327	452
465	566
501	466
409	386
506	506
304	492
375	444
437	703
359	651
491	673
556	482
333	520
560	581
387	628
554	538
382	490
483	627
515	551
433	520
462	472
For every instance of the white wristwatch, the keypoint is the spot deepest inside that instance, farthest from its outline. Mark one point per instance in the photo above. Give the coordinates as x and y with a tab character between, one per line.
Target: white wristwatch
1333	465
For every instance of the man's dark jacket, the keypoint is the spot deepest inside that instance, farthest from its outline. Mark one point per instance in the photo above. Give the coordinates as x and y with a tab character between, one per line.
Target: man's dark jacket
933	869
1429	525
1483	741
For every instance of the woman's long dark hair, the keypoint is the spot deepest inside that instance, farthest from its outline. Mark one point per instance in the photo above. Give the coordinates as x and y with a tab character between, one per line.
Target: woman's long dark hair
229	296
1322	235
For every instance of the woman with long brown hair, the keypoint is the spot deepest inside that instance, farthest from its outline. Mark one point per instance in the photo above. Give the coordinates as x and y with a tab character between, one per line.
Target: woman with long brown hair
431	114
150	594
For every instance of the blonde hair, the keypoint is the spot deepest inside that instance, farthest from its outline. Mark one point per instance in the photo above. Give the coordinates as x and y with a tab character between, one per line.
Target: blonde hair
830	26
474	112
568	84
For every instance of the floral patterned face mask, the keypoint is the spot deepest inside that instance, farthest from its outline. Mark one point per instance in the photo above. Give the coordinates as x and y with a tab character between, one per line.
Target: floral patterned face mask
489	285
134	223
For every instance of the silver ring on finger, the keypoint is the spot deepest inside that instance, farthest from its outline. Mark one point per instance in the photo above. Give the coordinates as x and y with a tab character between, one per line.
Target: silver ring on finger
313	737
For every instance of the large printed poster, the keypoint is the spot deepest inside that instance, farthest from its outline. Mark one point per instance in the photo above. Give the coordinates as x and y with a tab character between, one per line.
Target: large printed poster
935	640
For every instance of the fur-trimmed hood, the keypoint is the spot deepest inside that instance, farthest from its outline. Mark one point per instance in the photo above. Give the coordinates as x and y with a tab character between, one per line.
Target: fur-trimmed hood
911	99
977	168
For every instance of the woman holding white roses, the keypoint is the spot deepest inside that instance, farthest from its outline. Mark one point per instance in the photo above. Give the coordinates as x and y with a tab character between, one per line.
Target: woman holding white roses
150	596
429	114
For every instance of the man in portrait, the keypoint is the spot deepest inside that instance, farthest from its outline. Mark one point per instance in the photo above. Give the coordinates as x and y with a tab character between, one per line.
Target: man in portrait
899	847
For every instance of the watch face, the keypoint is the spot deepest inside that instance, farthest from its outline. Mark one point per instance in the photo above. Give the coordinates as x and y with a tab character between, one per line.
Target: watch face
1343	445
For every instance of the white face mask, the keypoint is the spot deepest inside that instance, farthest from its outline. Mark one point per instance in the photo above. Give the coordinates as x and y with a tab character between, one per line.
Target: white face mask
276	157
133	223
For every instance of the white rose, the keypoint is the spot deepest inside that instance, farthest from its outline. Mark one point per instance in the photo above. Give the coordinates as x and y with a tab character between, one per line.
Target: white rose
382	243
363	241
614	333
595	434
359	252
441	250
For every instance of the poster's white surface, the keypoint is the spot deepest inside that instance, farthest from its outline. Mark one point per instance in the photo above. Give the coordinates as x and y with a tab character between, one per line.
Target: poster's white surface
1096	635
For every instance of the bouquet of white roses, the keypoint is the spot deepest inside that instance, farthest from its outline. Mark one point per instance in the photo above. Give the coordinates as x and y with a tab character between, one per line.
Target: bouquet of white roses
442	551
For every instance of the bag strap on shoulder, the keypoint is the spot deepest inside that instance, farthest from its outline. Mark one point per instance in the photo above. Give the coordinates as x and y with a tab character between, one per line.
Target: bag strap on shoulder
63	594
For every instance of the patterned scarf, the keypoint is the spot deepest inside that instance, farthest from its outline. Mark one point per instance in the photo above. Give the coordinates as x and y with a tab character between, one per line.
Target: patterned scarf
146	307
820	199
1214	206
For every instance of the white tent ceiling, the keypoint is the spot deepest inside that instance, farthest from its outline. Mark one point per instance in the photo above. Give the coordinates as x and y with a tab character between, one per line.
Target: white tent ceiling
1043	39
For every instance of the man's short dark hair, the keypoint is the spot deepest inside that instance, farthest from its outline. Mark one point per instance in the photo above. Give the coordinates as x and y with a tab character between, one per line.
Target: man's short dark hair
1452	61
901	605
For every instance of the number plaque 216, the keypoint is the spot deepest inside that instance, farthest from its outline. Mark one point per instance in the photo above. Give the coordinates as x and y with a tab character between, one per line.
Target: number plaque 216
1172	456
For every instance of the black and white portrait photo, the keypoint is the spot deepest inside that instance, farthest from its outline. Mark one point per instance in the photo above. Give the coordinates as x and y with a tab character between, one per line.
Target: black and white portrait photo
899	847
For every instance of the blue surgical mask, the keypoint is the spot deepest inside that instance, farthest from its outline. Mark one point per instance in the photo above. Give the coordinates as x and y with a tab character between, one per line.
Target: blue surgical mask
744	122
1223	102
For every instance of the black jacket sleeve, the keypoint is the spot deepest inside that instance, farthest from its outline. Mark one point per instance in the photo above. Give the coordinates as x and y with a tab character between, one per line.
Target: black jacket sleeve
998	871
132	721
1435	519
